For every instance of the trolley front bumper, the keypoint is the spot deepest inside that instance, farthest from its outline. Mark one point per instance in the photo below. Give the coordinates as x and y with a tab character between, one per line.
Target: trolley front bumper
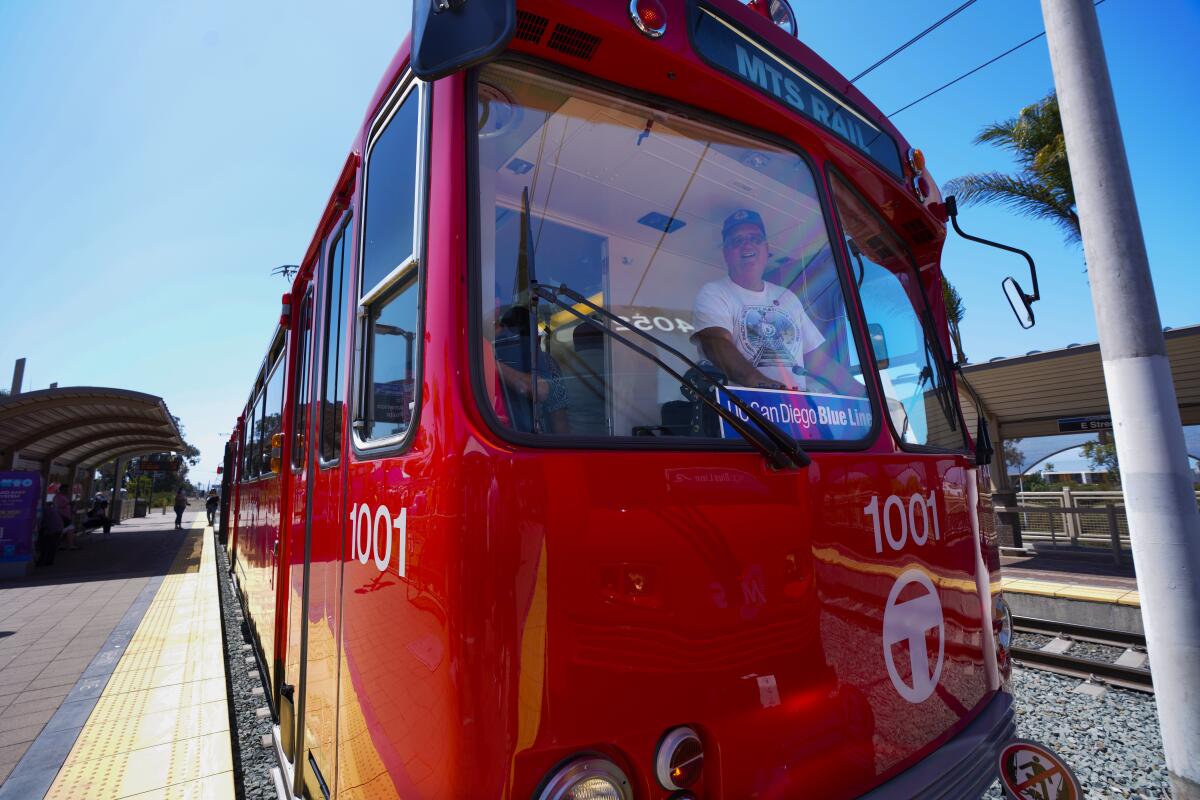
963	767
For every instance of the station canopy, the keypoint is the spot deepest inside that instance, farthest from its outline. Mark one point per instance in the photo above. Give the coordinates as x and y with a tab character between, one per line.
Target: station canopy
83	426
1046	393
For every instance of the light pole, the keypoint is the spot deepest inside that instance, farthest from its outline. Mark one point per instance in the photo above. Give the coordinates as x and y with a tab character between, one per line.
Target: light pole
1164	526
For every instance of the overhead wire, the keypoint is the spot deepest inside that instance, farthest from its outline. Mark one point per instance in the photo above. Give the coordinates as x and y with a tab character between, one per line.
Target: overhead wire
971	72
913	40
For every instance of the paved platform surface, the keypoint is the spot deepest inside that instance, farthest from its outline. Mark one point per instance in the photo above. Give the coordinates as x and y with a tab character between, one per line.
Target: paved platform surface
112	682
1074	578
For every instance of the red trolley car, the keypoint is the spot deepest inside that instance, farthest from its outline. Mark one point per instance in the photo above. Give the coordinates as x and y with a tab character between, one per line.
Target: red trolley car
608	446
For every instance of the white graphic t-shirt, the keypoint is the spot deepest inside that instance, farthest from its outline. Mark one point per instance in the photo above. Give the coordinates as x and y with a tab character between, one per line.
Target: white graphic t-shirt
770	328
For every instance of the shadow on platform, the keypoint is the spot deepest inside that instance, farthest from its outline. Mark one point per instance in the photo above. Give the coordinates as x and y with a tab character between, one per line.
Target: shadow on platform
137	548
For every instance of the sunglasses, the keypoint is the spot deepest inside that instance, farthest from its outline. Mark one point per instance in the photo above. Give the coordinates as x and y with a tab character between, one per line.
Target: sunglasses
755	239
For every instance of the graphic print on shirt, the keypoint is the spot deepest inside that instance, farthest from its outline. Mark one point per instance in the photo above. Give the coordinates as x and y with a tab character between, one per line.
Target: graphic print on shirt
768	335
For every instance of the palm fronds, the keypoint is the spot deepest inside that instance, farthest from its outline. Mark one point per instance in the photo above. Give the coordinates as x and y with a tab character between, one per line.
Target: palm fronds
1042	187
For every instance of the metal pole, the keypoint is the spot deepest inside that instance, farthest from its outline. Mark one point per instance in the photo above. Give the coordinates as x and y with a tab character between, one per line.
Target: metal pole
18	377
1164	525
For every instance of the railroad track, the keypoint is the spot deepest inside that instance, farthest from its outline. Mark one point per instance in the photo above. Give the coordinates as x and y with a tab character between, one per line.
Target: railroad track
1051	658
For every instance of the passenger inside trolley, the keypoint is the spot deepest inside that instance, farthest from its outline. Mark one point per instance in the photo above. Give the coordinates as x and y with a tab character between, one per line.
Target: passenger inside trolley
756	332
628	206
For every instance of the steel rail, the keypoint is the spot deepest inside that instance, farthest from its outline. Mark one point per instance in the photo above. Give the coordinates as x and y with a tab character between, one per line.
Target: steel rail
1081	633
1087	669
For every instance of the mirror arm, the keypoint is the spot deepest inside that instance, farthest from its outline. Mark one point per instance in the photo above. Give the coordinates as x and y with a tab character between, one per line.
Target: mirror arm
952	212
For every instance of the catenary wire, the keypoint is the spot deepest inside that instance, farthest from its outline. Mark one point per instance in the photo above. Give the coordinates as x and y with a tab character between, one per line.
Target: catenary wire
968	74
913	40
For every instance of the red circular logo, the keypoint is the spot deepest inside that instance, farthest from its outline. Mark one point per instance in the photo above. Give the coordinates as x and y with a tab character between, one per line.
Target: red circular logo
1030	771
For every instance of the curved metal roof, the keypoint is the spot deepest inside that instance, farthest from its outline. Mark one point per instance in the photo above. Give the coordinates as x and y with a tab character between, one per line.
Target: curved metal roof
84	425
1027	395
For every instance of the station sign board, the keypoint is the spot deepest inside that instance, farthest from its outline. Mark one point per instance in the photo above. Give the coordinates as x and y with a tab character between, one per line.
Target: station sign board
1084	424
19	494
150	464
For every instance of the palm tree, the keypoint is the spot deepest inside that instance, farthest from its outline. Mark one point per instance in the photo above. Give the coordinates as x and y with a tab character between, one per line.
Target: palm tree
1042	188
956	309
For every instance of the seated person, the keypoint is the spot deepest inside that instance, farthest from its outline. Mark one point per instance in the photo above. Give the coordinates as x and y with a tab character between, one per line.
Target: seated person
757	332
512	366
97	515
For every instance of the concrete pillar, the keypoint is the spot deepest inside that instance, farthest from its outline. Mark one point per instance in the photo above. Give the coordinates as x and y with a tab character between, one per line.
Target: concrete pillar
1164	525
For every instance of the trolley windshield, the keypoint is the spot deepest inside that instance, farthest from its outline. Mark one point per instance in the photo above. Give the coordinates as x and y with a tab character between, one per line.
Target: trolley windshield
713	242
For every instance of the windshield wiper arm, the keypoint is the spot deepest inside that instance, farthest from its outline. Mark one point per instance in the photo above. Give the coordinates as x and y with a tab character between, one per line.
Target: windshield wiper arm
526	265
781	450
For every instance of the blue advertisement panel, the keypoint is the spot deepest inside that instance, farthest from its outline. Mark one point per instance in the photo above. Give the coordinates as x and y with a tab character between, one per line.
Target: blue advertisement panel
19	494
804	415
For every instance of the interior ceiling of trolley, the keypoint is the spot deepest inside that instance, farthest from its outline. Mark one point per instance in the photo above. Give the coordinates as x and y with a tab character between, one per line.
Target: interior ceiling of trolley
596	172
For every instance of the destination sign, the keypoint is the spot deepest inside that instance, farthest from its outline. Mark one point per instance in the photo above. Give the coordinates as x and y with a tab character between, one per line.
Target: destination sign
802	415
1084	424
727	47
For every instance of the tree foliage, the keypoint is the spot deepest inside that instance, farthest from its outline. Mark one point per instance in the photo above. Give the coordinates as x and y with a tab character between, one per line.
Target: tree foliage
1102	456
1014	457
1042	188
956	309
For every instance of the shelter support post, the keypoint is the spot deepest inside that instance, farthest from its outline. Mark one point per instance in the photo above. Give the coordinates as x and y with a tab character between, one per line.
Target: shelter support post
114	497
1164	526
1008	523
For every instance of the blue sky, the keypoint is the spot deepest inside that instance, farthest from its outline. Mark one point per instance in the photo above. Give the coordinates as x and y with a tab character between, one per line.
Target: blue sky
159	159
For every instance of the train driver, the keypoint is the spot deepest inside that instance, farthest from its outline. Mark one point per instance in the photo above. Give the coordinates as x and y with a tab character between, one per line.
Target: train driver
755	331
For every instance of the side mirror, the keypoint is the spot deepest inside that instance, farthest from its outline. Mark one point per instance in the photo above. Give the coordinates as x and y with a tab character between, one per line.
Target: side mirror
449	35
1016	297
1020	302
983	443
878	344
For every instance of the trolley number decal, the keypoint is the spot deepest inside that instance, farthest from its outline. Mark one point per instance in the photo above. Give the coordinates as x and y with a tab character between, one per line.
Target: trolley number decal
899	520
371	536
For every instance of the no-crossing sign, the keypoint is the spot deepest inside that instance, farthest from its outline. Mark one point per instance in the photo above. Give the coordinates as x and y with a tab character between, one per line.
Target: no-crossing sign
1030	771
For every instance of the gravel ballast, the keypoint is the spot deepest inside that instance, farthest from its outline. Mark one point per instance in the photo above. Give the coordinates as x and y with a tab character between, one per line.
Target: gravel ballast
1112	743
254	755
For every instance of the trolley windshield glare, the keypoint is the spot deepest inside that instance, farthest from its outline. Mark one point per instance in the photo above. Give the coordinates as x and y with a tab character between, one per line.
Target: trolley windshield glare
609	446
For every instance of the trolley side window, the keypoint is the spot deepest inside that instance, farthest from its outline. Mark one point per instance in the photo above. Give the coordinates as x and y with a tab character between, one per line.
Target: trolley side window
714	243
337	284
388	302
300	391
920	404
272	427
254	423
248	443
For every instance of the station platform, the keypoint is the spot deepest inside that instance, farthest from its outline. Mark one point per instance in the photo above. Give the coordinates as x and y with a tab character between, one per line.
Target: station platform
112	670
1078	588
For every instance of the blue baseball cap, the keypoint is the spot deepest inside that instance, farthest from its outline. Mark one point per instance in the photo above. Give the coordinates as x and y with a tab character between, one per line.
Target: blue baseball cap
743	216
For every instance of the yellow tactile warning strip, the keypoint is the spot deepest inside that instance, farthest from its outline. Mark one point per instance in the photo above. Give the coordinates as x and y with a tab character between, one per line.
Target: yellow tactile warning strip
1068	591
161	727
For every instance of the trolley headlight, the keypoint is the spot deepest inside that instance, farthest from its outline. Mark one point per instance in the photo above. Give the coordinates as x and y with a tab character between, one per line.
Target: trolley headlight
589	778
1002	628
679	760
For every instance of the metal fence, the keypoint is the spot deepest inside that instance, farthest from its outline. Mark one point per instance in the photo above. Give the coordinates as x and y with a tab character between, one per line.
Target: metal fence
1071	518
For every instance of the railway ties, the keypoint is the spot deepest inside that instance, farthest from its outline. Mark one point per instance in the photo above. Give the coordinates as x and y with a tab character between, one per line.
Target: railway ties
1129	671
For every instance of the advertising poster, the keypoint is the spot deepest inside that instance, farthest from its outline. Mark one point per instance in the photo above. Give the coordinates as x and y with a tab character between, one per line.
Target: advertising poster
804	415
19	493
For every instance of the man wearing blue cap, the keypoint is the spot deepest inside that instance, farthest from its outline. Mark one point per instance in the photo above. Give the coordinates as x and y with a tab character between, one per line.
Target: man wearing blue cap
754	331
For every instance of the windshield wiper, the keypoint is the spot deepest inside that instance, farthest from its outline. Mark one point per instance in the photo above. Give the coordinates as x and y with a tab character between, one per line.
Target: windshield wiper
781	450
526	269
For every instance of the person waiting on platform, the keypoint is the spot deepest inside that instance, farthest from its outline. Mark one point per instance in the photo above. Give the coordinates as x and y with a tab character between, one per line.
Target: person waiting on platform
211	504
180	507
756	332
49	532
62	507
